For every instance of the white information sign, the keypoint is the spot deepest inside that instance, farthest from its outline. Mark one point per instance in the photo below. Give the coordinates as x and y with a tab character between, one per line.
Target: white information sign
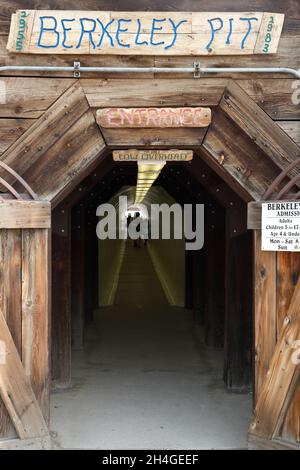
281	226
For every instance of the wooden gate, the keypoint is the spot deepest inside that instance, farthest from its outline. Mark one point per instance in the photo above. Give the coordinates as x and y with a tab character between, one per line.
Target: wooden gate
24	316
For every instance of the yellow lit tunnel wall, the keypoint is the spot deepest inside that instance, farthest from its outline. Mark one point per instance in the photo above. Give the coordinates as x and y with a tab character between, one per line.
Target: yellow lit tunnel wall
168	256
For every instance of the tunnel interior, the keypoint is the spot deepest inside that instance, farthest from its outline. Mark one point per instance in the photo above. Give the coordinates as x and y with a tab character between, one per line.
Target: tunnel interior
155	339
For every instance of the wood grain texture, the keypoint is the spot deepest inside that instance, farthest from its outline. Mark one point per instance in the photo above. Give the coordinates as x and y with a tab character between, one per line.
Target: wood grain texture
36	314
16	391
10	305
265	312
288	271
24	214
282	378
153	117
138	33
11	130
27	98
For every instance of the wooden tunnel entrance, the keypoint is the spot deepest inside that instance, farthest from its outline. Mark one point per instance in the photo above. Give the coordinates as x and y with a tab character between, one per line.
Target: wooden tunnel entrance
62	155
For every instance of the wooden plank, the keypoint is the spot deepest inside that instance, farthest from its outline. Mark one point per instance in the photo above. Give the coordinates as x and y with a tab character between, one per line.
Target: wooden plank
259	127
257	443
11	130
254	215
292	129
10	305
265	320
24	214
238	339
238	156
282	377
36	291
103	93
26	151
16	391
153	117
274	96
141	155
288	271
69	159
144	33
78	275
61	298
30	98
162	138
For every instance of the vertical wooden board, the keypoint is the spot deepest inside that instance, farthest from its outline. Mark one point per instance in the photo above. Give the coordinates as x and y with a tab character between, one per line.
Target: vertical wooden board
238	338
288	271
265	312
35	312
280	384
77	279
10	305
61	298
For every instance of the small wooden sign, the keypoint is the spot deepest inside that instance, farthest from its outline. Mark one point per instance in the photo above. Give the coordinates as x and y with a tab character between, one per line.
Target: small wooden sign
172	155
144	33
153	117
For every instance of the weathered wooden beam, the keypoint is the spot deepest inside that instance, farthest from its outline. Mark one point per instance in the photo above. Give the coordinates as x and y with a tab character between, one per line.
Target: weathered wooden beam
254	215
36	302
282	378
265	312
61	297
16	391
259	127
288	272
10	305
24	214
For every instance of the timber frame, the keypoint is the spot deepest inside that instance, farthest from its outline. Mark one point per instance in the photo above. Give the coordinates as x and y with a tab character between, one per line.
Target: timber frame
243	147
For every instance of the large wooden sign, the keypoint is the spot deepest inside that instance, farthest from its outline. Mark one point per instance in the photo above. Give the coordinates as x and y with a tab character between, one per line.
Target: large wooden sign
153	117
133	155
144	33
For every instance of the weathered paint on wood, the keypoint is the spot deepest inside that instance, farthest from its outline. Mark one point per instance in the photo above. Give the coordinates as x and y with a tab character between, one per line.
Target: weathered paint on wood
24	214
144	33
153	117
162	155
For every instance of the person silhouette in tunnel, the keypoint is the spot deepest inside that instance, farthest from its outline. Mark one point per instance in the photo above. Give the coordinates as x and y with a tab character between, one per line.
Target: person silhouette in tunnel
138	220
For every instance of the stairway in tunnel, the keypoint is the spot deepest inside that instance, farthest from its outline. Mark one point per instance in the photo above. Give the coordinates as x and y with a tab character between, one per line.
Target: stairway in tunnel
145	380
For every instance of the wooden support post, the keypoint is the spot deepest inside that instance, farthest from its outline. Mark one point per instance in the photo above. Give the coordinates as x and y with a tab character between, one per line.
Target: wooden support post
61	297
78	275
238	337
265	319
214	279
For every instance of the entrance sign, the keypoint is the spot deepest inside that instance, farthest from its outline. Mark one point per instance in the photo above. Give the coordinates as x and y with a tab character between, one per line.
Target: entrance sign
153	117
281	226
152	155
144	33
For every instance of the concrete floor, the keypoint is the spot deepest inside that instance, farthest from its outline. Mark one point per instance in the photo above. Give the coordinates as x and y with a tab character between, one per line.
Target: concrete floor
145	380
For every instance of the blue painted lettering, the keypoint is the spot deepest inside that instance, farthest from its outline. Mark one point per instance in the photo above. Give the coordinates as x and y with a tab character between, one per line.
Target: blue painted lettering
175	28
65	29
142	43
214	29
105	32
87	31
230	31
248	30
122	30
43	28
154	29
